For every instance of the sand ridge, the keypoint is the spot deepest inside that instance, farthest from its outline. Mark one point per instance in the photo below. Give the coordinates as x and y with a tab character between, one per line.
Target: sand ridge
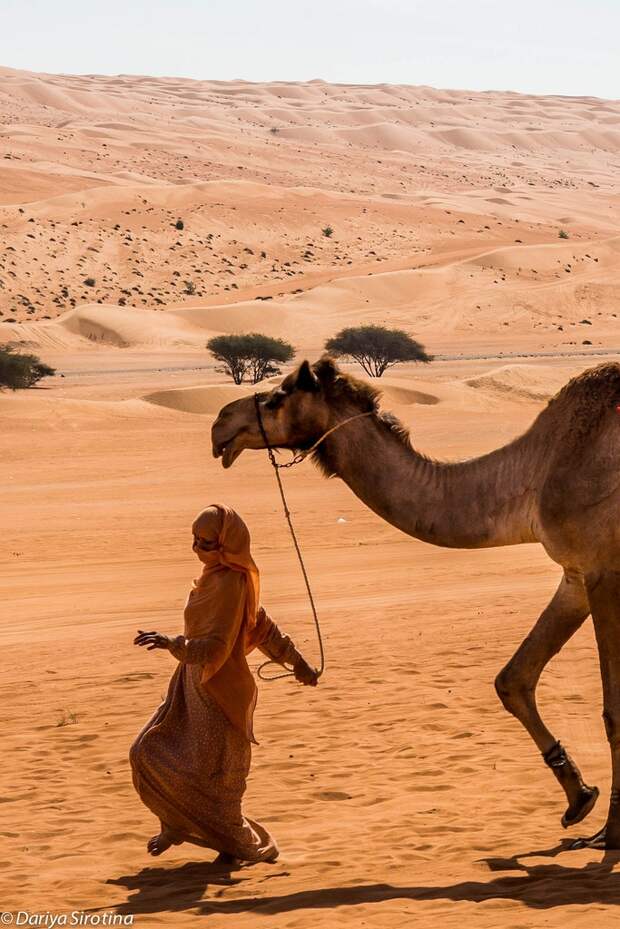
98	171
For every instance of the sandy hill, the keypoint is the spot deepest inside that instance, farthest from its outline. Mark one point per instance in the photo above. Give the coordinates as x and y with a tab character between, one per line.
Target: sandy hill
444	207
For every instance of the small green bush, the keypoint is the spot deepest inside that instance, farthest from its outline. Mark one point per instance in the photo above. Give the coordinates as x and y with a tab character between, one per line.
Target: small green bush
563	234
18	371
327	232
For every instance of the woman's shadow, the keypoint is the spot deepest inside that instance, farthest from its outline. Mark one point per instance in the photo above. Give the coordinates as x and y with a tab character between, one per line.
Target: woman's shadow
159	889
539	886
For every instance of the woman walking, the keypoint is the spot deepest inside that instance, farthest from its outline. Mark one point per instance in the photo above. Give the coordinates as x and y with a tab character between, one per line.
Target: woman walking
190	762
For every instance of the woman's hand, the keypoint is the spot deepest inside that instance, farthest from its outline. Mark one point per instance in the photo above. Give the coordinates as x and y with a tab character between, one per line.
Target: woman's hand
152	640
305	674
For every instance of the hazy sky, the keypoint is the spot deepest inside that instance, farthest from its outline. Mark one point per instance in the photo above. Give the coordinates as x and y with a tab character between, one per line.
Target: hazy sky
537	46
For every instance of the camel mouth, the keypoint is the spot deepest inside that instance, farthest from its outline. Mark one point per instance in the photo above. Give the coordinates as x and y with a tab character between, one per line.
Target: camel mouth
228	451
230	455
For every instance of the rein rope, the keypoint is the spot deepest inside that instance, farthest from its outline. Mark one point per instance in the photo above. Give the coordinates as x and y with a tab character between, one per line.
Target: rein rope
287	513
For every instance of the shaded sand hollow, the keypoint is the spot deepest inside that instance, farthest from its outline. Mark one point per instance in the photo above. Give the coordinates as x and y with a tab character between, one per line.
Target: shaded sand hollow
400	791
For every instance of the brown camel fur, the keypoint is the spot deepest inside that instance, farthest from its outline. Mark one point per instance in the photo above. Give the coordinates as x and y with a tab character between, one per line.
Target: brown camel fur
558	484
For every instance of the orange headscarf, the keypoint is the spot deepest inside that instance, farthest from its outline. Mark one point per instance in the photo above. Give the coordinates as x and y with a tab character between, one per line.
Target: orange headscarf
223	606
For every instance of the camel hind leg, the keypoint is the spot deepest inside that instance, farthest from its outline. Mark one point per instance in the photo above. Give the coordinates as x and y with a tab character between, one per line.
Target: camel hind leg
516	688
604	595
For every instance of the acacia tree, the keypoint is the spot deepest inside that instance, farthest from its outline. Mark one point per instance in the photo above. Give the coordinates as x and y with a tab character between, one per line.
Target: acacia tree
231	351
19	371
253	354
266	354
376	348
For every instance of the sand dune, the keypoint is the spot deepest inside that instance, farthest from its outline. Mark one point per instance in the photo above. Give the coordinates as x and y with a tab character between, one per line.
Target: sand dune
412	173
208	399
123	327
529	297
396	393
531	382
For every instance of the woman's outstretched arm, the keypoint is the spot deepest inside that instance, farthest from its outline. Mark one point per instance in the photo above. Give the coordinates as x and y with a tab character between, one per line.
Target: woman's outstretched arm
210	651
279	647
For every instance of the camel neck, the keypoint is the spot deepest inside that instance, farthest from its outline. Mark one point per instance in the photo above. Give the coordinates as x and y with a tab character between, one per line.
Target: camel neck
478	503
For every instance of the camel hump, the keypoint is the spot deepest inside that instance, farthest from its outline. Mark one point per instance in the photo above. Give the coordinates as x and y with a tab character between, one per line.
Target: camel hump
583	463
582	405
595	386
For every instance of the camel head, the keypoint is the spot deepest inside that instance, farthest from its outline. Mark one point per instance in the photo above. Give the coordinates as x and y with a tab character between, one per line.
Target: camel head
307	403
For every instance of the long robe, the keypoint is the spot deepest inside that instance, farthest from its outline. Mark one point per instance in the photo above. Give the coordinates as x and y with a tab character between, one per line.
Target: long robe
190	761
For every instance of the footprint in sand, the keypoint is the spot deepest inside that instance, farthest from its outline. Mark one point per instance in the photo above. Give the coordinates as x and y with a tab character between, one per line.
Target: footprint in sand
333	795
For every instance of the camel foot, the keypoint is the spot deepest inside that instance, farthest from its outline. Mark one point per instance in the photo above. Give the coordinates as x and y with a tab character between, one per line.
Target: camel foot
598	840
161	842
224	860
581	806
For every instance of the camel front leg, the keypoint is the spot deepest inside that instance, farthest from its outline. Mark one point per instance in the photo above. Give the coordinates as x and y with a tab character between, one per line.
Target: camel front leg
516	688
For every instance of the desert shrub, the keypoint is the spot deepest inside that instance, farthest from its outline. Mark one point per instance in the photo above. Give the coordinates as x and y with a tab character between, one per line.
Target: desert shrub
266	354
563	234
90	281
252	354
190	288
376	348
18	371
327	232
231	352
179	225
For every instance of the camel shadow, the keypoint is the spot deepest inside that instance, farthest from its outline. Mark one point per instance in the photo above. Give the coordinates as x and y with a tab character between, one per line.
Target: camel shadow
540	886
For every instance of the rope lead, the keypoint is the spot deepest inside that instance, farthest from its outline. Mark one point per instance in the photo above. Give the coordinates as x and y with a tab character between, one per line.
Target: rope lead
287	514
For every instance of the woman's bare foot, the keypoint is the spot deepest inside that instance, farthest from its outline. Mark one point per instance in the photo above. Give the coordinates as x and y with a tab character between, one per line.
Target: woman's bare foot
226	861
159	843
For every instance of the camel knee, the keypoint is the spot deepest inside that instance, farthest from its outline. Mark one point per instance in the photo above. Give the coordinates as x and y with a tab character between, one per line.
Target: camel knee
514	690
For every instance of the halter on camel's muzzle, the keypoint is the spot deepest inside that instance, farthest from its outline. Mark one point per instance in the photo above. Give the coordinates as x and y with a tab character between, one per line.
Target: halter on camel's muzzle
300	456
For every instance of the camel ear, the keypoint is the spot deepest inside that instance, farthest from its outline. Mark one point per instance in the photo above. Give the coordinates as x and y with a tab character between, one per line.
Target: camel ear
306	378
326	369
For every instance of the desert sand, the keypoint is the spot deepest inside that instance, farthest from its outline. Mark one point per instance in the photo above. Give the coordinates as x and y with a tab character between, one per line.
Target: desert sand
400	791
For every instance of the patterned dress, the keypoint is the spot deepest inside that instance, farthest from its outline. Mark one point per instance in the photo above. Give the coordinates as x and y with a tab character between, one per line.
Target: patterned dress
190	764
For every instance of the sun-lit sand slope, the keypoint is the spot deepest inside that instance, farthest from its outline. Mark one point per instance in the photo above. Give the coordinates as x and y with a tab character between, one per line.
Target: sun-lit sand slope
400	791
452	201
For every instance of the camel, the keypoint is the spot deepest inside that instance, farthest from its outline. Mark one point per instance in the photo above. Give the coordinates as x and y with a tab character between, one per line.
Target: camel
557	484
